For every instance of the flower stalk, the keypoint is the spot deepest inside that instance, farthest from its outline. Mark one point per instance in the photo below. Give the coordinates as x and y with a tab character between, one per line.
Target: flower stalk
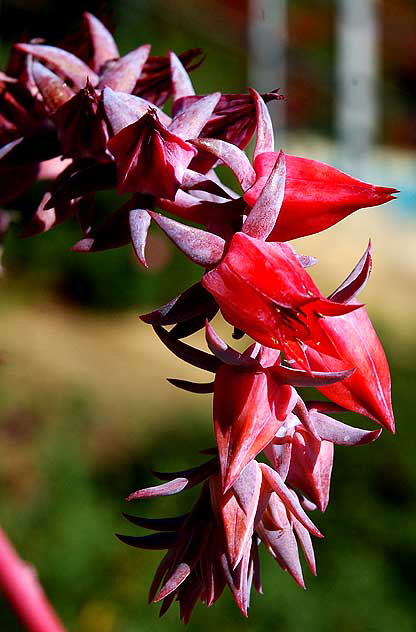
21	588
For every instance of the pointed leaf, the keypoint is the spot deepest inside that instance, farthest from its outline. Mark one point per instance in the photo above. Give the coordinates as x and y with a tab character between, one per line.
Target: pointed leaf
103	43
154	541
356	281
263	216
341	434
139	220
192	387
192	302
296	377
188	327
157	524
311	467
181	82
306	544
124	73
179	575
264	126
191	121
201	247
52	88
244	418
290	502
167	489
227	354
231	156
194	475
63	62
187	353
282	543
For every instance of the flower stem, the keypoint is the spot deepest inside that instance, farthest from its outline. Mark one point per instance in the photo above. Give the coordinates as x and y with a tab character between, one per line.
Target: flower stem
21	588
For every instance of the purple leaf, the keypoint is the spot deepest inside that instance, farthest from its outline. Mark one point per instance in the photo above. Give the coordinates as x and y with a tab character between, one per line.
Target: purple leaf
103	42
356	281
227	354
192	387
157	524
43	145
98	177
181	83
112	233
283	545
306	544
187	353
333	430
247	487
200	246
124	73
263	216
179	575
191	121
193	475
231	156
296	377
61	60
166	489
279	455
139	220
264	127
290	502
192	180
192	302
154	541
53	90
188	327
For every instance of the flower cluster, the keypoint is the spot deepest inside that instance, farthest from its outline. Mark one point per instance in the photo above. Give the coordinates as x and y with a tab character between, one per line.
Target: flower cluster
94	121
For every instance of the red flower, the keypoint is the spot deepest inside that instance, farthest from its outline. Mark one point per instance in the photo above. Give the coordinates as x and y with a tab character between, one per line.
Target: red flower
249	407
149	158
317	195
368	390
263	290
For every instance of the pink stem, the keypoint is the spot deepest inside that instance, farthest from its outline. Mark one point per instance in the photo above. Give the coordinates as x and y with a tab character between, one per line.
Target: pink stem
22	590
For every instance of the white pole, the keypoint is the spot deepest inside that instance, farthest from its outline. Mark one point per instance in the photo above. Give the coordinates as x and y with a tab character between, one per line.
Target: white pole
267	41
357	70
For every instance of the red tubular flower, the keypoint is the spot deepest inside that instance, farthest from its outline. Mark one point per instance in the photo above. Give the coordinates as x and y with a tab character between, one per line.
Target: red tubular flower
253	396
368	390
262	289
311	466
149	158
317	195
81	129
249	407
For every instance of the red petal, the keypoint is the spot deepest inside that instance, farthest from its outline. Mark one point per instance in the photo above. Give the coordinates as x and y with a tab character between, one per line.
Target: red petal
368	390
316	195
149	158
244	418
310	468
